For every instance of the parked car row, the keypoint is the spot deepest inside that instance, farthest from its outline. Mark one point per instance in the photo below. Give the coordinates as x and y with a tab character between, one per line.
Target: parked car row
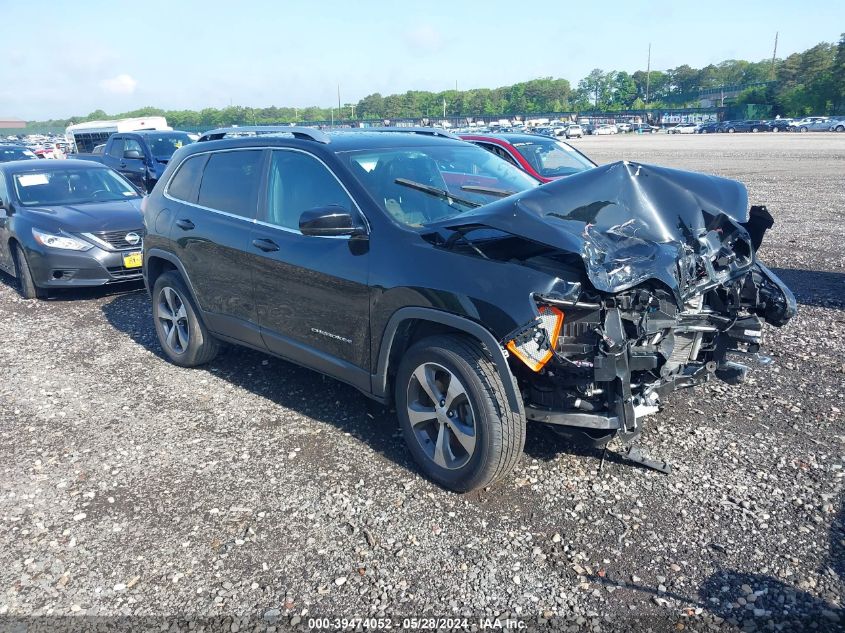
807	124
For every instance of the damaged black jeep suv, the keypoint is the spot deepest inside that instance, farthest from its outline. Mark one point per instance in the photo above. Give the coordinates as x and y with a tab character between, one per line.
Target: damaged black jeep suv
431	274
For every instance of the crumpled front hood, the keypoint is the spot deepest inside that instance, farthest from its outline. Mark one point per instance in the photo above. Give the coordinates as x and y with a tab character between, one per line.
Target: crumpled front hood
630	222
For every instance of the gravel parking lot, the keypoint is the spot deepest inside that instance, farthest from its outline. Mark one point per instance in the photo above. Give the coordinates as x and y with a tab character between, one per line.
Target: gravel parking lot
254	494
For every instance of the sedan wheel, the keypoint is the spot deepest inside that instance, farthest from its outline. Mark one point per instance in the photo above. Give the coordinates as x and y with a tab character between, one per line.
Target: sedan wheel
803	128
731	130
775	129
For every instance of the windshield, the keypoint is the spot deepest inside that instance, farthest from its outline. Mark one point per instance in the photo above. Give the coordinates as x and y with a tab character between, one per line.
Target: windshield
553	159
70	186
165	145
15	153
472	175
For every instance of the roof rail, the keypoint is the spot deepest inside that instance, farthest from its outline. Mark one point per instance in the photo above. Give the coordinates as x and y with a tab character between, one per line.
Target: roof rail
427	131
305	133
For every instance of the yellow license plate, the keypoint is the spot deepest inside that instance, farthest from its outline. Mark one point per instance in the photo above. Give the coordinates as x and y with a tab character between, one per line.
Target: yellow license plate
133	260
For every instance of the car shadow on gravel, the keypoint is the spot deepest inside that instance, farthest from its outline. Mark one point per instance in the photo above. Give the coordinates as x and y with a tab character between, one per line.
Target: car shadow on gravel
746	600
78	294
814	287
285	384
292	387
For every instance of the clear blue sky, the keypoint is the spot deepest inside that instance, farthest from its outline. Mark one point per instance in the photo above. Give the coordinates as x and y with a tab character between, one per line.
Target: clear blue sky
62	58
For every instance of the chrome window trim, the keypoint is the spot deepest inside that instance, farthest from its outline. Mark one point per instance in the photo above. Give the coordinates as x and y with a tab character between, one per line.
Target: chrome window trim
329	170
255	220
166	192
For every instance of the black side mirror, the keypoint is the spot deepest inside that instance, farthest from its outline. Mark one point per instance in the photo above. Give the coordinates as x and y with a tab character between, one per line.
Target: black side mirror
330	221
133	154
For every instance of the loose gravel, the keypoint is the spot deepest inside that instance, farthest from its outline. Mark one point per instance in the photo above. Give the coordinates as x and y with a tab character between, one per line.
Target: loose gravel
255	495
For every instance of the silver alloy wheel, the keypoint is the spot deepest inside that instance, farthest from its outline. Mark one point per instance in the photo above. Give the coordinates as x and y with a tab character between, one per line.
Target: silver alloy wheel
173	319
441	416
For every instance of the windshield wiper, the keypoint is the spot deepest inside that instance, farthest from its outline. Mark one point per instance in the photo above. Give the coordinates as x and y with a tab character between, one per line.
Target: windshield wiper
502	193
434	191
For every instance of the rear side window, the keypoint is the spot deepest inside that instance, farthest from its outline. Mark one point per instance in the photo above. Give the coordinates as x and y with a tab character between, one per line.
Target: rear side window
185	183
230	182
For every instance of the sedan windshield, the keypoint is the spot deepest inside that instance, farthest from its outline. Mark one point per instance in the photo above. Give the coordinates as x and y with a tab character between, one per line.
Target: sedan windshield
71	186
15	153
420	185
163	146
553	159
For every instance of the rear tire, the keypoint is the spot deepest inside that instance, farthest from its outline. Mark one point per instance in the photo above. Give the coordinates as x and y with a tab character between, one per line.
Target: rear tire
182	334
731	130
24	274
466	436
803	128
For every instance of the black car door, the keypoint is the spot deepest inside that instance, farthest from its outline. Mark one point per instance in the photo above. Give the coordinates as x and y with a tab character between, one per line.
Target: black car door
6	262
211	230
311	293
134	163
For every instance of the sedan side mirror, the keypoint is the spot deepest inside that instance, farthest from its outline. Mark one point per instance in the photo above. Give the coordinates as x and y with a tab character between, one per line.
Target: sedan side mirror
330	221
133	154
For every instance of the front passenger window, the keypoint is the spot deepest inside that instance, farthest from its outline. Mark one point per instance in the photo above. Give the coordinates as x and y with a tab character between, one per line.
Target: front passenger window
299	182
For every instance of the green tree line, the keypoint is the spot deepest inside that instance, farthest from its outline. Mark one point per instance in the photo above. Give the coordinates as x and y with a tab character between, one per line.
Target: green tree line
810	82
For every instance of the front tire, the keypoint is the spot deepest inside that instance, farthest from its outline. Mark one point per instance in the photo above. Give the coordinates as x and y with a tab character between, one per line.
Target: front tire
29	290
803	128
731	130
181	333
453	411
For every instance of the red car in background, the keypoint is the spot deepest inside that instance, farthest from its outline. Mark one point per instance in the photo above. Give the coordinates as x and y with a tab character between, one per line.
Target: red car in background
544	158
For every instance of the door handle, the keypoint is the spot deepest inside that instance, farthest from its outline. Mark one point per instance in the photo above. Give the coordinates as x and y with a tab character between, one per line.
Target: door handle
268	246
185	224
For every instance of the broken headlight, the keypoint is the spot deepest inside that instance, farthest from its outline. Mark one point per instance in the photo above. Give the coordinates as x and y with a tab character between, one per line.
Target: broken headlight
534	346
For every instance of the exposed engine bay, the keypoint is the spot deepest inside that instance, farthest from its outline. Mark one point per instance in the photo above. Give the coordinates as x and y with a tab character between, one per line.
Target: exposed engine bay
656	287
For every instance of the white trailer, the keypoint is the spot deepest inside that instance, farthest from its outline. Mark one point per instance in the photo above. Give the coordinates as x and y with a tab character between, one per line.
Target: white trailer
84	137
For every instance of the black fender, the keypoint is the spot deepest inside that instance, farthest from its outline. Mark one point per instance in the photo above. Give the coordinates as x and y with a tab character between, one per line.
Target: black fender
497	353
170	257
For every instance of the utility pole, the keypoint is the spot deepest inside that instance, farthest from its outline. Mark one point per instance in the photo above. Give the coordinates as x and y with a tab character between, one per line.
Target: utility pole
774	55
444	107
338	102
648	73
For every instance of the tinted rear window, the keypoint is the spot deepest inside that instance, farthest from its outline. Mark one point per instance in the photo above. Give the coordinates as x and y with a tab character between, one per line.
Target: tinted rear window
230	182
184	183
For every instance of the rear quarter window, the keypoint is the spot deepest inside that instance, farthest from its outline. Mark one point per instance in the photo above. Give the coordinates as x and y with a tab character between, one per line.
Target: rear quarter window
230	182
185	183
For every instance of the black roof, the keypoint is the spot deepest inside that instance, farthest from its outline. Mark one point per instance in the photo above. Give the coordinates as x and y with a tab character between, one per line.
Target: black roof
155	132
340	141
